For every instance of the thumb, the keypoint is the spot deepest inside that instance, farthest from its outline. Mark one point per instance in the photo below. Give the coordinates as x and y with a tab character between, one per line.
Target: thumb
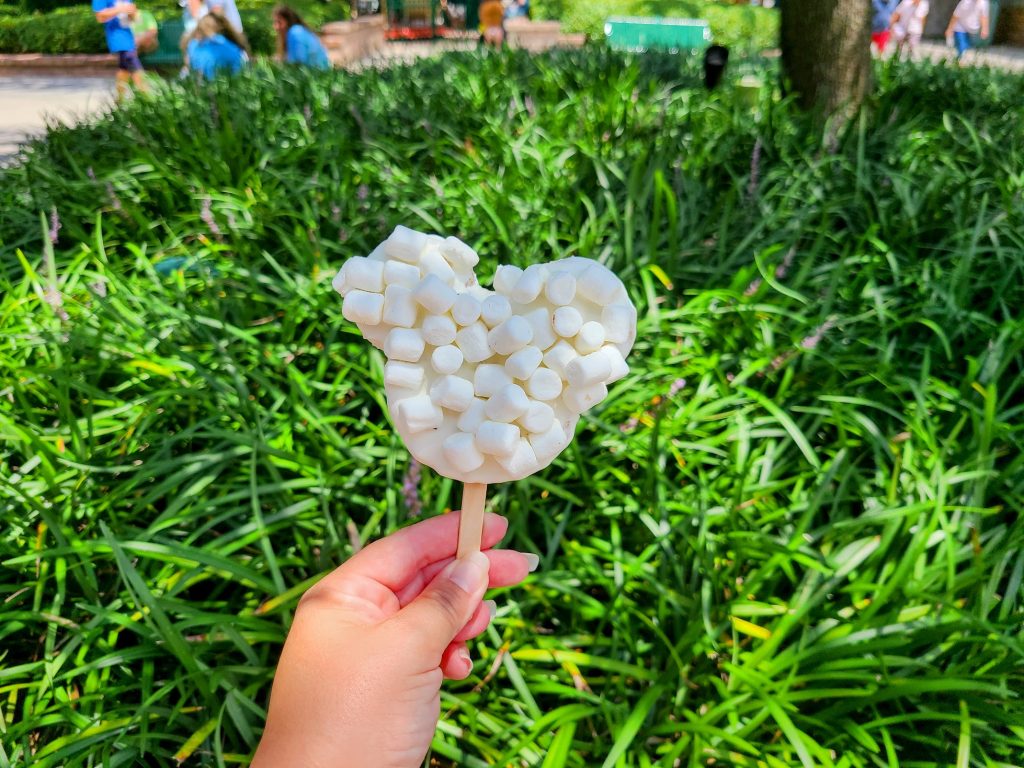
448	602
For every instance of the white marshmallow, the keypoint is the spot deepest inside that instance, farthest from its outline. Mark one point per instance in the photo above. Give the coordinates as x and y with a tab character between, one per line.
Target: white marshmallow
490	379
589	369
508	404
419	413
435	294
365	274
433	263
598	284
339	283
363	307
399	307
459	255
523	363
405	244
590	338
497	439
522	462
446	359
495	310
559	356
529	284
616	361
400	273
473	416
540	322
472	340
619	321
460	449
544	384
560	289
438	330
550	443
567	321
580	399
403	375
538	417
466	309
452	392
506	277
511	336
404	344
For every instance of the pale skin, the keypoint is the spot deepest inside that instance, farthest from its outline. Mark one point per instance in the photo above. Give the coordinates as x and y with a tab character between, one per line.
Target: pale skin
984	26
123	78
359	679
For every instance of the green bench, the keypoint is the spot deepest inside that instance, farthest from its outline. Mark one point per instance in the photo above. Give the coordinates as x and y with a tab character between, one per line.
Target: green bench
168	51
635	33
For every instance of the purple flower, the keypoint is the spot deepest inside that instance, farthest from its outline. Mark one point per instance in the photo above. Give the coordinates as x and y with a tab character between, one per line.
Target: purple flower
362	192
207	216
54	225
308	112
676	387
99	288
812	341
335	213
115	201
752	288
783	269
342	235
411	489
531	110
755	168
629	424
90	174
511	111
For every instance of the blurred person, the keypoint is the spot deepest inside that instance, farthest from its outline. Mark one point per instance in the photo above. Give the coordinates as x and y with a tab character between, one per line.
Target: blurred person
970	17
116	18
518	9
908	25
296	42
492	22
196	9
215	47
881	21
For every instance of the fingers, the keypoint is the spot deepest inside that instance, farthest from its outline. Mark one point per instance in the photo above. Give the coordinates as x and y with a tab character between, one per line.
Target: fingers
478	622
455	663
508	567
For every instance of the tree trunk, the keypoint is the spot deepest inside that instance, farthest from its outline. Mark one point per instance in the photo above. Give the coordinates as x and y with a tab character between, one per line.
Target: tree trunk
826	52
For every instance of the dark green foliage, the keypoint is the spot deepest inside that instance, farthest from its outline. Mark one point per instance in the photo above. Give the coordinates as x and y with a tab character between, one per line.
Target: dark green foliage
67	30
809	553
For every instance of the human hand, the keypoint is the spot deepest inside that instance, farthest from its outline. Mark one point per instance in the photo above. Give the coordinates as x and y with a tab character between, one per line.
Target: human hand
359	679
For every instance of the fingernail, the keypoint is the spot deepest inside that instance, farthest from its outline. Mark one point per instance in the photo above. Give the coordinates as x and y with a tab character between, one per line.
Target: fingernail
492	608
467	663
470	573
532	561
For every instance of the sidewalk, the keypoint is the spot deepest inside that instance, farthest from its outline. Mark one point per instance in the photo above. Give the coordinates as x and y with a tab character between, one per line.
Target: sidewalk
996	56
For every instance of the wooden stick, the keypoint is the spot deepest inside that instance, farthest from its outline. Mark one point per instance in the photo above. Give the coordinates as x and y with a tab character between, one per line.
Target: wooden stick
471	525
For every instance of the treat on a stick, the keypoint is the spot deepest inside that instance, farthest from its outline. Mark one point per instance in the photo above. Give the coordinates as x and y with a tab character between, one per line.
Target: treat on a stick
486	386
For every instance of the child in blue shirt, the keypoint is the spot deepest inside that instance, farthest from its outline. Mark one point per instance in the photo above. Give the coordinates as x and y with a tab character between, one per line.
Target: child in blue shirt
215	46
296	42
116	16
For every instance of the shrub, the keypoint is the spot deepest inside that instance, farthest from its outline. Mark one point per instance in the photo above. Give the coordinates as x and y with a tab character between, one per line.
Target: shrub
68	30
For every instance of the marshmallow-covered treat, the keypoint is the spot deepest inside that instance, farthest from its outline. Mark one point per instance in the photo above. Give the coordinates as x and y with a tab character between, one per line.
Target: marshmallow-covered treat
486	386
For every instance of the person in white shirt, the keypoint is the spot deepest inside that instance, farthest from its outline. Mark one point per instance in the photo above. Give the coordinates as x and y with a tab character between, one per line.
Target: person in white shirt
969	18
908	25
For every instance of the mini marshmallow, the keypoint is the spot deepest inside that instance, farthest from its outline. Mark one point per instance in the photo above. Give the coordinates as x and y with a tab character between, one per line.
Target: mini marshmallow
419	413
544	384
433	263
339	283
495	310
585	370
435	294
590	338
473	416
399	307
438	330
472	340
559	356
522	462
540	322
497	439
403	375
529	284
508	404
458	254
549	443
506	277
580	399
490	379
466	309
567	321
405	244
362	307
538	418
364	274
460	449
619	321
523	363
511	336
598	284
404	344
452	392
446	359
616	361
560	289
400	273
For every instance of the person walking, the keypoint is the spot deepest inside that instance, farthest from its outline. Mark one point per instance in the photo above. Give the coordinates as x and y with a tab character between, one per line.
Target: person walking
492	22
296	42
116	18
970	17
908	25
881	21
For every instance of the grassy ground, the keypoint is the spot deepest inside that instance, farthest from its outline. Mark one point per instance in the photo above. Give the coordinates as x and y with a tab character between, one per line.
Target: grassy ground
791	537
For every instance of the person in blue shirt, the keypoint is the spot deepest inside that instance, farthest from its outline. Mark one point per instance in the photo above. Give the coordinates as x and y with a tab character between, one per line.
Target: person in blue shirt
215	47
881	20
296	42
116	18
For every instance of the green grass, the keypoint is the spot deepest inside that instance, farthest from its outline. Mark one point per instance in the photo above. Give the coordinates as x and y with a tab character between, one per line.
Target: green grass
810	554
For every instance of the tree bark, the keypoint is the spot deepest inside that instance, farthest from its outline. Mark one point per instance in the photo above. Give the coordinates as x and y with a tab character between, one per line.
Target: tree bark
826	52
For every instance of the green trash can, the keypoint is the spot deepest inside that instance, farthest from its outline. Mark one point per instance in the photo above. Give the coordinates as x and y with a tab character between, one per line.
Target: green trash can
636	33
168	51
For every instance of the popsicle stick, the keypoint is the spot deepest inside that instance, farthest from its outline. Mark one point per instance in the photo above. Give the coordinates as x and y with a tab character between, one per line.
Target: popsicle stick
471	526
